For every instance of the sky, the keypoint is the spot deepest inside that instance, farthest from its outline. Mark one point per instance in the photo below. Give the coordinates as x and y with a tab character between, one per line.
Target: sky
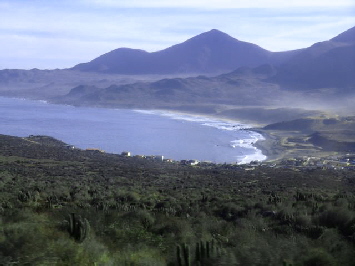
49	34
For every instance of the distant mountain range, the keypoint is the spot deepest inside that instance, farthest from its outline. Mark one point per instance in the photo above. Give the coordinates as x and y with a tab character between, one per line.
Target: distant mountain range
209	52
212	68
323	65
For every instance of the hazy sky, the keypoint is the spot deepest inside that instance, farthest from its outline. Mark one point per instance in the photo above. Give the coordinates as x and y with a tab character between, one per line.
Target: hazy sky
49	34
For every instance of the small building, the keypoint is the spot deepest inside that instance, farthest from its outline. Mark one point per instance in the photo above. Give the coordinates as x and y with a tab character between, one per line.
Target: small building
193	162
70	147
95	150
159	158
126	153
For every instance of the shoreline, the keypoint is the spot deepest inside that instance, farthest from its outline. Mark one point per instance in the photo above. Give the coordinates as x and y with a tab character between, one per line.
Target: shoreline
267	147
261	150
270	146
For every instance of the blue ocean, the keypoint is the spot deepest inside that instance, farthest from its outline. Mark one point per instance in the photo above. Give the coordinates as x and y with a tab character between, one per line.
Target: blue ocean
175	136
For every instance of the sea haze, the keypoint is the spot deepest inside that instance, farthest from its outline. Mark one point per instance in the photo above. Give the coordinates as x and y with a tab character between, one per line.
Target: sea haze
175	136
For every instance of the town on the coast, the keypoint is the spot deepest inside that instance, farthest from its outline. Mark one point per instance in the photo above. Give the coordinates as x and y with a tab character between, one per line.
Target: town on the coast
332	162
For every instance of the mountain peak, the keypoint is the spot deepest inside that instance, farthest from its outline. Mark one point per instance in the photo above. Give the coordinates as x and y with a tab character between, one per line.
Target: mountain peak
346	36
214	33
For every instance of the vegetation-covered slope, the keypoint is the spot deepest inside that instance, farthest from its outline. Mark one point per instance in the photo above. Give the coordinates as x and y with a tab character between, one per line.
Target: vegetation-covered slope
134	211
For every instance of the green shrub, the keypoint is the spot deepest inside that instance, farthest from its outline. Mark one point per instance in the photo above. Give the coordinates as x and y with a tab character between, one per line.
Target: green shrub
319	257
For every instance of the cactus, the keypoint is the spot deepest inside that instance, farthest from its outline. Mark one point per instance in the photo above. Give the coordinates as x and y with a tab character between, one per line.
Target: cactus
198	252
285	263
49	203
183	255
204	250
78	228
186	250
178	255
213	247
207	249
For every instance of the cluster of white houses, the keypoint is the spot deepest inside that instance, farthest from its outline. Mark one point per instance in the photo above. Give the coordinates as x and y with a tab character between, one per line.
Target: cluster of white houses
160	158
153	157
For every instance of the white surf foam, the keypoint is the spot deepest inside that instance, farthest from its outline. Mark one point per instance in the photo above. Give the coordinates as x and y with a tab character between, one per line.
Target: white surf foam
219	124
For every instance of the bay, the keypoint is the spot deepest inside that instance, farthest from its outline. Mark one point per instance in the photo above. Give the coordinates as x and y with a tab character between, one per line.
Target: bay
175	136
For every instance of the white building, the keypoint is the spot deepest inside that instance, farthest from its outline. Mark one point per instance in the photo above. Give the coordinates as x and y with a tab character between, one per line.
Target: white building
126	153
159	158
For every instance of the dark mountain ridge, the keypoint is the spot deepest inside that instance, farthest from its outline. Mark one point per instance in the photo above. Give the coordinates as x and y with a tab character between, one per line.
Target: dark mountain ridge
209	52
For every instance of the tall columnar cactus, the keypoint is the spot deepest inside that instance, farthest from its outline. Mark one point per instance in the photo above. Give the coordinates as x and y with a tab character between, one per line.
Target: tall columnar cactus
178	255
213	246
186	250
204	251
207	249
198	252
78	227
285	263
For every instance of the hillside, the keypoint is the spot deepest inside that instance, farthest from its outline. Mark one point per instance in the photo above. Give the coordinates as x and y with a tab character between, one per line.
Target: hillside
64	206
236	88
311	125
245	94
44	84
328	64
330	134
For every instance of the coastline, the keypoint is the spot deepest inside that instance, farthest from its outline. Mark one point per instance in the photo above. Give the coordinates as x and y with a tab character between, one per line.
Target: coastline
220	123
268	146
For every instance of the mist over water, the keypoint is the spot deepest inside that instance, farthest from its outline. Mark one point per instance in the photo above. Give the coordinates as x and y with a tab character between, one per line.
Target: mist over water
141	132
